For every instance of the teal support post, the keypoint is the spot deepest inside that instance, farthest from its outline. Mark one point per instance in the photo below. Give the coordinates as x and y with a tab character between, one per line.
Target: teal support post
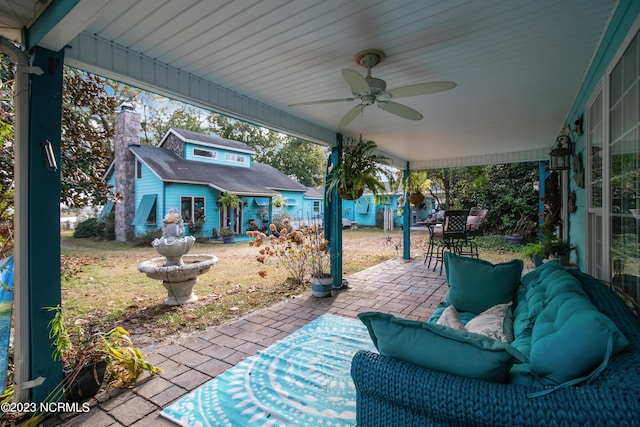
406	220
333	217
44	216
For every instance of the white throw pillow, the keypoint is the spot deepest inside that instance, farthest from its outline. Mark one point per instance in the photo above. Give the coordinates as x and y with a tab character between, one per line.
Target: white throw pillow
451	318
495	322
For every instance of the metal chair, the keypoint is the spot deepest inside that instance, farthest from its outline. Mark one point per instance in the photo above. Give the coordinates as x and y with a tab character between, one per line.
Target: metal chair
454	229
474	228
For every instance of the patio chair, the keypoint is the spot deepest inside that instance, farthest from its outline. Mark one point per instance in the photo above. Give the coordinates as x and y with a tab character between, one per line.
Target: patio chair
447	237
474	228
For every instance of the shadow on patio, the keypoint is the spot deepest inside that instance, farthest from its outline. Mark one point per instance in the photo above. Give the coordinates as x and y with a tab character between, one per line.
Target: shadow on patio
403	288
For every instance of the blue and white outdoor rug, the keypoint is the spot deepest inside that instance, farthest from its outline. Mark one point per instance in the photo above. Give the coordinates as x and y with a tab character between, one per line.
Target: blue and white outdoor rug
302	380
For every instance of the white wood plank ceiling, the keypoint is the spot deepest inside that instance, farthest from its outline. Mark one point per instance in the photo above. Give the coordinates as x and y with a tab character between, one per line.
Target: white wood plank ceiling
518	64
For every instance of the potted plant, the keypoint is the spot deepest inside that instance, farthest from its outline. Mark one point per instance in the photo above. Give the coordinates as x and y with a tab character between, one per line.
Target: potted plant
359	168
535	252
88	358
319	262
521	230
229	200
559	249
227	235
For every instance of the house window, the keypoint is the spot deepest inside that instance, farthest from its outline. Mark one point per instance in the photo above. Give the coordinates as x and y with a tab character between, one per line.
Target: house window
192	211
235	158
138	169
624	162
316	207
209	154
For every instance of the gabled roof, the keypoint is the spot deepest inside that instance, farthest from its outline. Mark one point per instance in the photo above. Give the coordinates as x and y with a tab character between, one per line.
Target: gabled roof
207	140
314	193
259	180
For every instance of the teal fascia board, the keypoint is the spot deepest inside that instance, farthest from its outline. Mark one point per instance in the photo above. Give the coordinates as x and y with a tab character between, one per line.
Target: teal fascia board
144	209
52	15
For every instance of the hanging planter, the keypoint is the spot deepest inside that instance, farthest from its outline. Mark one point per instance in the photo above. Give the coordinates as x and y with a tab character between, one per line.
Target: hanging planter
350	193
359	168
416	199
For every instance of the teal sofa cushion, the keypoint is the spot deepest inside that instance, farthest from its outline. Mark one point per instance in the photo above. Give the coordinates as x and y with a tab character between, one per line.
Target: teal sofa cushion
475	285
441	348
572	341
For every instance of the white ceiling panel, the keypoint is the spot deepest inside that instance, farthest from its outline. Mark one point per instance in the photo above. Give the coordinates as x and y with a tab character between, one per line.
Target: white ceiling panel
517	63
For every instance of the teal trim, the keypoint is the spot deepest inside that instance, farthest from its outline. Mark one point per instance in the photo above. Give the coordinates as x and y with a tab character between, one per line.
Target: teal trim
332	217
144	209
406	220
50	17
106	210
43	214
262	202
621	22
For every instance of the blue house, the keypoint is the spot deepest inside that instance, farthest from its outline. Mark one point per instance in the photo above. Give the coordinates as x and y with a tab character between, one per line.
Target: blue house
190	171
363	211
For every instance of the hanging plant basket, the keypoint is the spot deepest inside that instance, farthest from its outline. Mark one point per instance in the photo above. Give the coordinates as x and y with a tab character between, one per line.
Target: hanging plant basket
350	194
416	199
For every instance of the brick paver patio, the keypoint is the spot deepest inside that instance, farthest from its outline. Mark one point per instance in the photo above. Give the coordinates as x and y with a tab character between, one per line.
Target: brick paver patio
404	288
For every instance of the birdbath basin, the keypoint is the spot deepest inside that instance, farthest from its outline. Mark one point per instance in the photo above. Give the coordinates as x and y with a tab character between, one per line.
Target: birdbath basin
178	280
178	271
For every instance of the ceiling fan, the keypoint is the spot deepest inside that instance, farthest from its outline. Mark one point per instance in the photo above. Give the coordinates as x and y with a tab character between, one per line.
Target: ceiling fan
370	90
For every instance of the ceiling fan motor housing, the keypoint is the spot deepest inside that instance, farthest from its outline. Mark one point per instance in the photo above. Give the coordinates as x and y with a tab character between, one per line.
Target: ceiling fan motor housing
377	86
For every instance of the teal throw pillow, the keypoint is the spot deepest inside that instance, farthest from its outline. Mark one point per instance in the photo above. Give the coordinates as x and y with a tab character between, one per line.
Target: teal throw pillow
441	348
476	285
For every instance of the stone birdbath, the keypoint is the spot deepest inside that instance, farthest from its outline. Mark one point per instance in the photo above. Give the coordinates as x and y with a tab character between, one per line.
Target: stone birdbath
178	271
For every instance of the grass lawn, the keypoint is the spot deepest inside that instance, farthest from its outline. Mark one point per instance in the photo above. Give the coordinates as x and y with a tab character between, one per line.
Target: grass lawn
102	287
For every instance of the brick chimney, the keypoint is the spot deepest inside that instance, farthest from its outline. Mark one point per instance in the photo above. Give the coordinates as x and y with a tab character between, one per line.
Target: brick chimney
127	132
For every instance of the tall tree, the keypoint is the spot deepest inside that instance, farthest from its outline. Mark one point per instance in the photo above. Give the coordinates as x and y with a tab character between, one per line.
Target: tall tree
7	70
87	114
302	161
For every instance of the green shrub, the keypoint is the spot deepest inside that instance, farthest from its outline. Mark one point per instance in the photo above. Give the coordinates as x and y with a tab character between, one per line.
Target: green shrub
144	240
103	229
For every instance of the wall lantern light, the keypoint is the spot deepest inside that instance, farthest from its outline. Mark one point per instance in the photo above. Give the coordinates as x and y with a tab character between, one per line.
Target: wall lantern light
560	154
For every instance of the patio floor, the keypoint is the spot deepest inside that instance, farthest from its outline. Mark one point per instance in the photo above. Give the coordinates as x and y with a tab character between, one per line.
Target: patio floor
405	288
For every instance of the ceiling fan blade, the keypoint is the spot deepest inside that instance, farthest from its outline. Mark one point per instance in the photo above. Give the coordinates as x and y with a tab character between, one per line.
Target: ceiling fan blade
356	81
352	114
421	89
324	101
399	110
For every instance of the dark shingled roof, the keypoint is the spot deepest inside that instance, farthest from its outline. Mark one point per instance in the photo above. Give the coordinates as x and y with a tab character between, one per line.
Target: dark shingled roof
209	140
259	180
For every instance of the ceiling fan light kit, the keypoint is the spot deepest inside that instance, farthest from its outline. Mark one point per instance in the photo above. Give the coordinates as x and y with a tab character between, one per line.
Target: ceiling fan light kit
370	90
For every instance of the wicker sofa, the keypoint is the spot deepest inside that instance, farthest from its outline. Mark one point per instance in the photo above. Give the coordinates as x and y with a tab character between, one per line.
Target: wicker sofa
392	392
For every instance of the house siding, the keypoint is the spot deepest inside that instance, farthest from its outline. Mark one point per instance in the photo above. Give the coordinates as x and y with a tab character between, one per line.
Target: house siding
148	183
620	27
219	157
175	144
173	195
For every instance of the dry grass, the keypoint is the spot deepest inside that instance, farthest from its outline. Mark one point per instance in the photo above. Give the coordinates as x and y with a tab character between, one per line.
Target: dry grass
101	285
